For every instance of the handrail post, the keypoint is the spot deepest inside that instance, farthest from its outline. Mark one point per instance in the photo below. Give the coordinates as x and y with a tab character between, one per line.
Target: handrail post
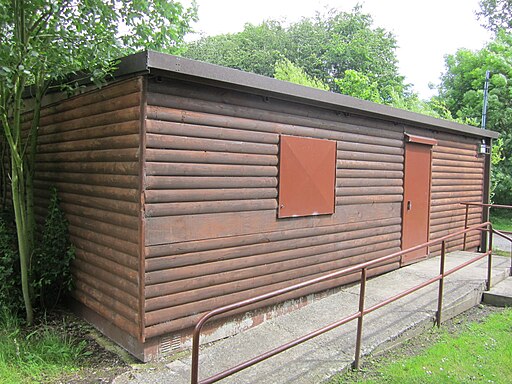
441	285
359	336
194	370
363	267
489	258
465	227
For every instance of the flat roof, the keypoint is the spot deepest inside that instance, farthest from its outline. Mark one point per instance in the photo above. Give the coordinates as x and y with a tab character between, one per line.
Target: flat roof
151	62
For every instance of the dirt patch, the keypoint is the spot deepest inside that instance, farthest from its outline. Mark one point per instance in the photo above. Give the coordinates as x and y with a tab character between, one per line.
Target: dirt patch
101	362
371	364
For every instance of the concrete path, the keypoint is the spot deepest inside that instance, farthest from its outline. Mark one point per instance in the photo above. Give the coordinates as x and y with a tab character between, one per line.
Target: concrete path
500	295
500	243
320	358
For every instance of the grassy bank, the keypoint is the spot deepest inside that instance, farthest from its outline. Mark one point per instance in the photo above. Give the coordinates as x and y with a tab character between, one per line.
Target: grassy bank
501	219
481	353
35	355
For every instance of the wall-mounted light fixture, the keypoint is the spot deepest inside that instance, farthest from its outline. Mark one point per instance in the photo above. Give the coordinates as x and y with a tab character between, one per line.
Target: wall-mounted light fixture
483	148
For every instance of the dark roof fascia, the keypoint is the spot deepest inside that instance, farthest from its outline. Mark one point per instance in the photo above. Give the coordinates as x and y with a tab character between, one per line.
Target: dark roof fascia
158	63
136	64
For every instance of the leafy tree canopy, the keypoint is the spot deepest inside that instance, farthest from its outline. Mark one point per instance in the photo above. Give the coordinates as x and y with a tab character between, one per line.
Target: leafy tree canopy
359	85
287	71
461	90
325	47
496	14
44	41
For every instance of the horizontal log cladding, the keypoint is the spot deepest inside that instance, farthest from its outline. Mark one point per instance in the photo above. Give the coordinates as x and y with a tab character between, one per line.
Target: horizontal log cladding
162	326
160	264
326	262
209	157
161	230
183	96
211	189
332	131
89	148
348	249
192	144
205	182
457	176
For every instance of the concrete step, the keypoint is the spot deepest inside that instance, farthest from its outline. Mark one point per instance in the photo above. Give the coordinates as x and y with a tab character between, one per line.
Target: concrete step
500	295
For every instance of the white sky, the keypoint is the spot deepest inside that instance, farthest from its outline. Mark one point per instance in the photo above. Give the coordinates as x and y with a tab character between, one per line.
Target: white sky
425	30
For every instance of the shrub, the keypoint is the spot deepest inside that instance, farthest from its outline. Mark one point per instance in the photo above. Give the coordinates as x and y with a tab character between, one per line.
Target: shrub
51	266
10	287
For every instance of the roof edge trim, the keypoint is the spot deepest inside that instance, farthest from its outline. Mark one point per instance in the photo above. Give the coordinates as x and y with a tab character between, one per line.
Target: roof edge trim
147	61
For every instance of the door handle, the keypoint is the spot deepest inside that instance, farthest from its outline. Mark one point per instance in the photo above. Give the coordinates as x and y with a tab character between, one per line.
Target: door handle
409	205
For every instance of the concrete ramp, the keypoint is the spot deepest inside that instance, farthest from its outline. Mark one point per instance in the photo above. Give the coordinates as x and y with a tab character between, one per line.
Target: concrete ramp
500	295
318	359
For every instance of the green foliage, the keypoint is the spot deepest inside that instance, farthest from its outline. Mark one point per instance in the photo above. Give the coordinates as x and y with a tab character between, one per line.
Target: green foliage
497	177
52	266
359	85
496	14
36	356
482	353
256	49
287	71
47	42
501	220
462	92
328	45
10	288
325	47
51	274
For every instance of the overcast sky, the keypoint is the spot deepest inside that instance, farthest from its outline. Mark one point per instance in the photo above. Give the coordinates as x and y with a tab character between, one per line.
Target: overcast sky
425	30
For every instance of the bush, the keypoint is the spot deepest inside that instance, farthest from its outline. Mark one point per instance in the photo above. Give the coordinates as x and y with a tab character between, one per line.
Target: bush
51	269
10	286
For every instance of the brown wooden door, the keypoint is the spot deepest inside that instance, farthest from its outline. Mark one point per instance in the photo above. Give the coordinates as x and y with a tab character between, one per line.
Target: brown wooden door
416	204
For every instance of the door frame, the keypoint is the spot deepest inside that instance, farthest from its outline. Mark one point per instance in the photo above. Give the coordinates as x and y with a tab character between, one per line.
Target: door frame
414	139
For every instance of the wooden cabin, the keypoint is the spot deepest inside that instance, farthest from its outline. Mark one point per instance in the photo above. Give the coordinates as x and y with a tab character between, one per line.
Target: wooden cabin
188	186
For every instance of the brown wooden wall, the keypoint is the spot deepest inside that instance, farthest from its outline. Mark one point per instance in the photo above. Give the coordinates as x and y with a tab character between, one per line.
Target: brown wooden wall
89	149
457	176
211	232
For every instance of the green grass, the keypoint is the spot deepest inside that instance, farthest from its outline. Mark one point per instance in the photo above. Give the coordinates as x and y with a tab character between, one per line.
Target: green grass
499	252
480	354
35	356
501	219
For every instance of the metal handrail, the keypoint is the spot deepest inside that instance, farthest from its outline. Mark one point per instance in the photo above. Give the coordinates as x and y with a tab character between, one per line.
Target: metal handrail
503	234
363	267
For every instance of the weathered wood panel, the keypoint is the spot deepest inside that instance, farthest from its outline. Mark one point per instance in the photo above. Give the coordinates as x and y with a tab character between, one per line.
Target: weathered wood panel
350	249
89	149
220	259
457	176
326	262
211	179
162	326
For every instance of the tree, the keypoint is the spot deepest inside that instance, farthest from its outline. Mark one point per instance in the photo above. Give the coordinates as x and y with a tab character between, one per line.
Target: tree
329	45
496	15
43	42
325	47
256	49
287	71
359	85
461	90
